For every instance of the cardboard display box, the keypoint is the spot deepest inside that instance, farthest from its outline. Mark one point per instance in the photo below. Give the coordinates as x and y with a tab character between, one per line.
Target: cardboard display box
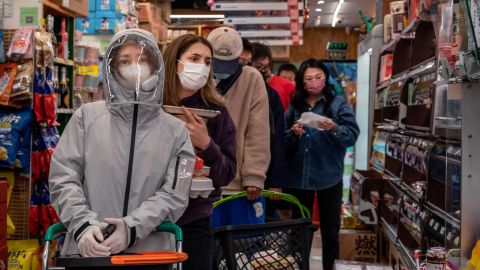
358	245
80	7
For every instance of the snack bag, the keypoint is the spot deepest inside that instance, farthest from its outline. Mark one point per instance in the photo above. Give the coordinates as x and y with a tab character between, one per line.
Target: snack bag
21	45
23	254
7	77
12	126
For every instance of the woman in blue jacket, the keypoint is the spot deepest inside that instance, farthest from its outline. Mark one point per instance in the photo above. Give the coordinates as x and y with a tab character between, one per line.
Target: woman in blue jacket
315	155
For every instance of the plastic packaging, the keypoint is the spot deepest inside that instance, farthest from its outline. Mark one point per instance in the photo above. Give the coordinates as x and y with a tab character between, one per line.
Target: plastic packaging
23	254
201	186
445	32
310	119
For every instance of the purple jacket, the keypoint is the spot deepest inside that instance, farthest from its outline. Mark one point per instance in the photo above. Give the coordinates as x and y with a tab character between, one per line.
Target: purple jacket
220	156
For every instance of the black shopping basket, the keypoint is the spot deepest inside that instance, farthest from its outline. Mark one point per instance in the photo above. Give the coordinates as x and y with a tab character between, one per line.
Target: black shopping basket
142	260
274	245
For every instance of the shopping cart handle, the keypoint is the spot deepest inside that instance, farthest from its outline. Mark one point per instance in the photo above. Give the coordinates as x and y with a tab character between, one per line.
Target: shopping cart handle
172	228
166	226
54	229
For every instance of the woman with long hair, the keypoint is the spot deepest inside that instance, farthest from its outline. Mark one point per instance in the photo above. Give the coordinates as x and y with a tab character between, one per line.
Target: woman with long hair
189	83
316	153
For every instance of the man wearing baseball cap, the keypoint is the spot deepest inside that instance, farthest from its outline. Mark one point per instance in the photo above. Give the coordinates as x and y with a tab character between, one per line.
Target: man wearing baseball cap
246	99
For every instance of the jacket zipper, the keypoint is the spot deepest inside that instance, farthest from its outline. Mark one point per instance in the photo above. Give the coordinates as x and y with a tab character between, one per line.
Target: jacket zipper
130	160
177	163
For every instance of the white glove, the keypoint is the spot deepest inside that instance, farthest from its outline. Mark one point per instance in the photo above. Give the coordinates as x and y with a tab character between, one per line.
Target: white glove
89	245
118	241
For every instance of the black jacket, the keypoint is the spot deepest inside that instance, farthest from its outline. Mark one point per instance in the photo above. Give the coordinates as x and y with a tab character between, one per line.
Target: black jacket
276	174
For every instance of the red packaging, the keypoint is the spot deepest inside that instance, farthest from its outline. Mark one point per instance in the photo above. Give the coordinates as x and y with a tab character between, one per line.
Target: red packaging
38	107
198	164
44	219
53	215
34	220
50	102
35	166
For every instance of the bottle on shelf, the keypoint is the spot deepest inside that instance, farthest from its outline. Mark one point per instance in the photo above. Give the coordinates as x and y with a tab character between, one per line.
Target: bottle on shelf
62	50
56	85
63	91
50	22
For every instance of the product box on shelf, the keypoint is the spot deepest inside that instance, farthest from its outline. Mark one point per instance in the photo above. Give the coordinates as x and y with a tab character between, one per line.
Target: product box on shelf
109	25
159	31
420	100
390	206
386	62
396	145
80	7
108	14
365	194
148	12
358	245
108	5
86	25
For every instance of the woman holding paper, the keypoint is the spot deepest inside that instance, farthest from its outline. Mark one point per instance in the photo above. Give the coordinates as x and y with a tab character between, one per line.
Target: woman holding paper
320	126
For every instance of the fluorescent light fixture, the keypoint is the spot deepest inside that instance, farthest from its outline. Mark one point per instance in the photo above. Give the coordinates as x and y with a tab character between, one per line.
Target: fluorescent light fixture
318	9
320	2
335	13
197	16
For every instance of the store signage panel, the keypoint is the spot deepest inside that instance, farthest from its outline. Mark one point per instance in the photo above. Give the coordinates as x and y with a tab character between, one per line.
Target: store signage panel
258	20
252	6
268	33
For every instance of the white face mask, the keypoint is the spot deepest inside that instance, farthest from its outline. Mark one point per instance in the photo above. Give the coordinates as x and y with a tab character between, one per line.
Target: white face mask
194	76
134	75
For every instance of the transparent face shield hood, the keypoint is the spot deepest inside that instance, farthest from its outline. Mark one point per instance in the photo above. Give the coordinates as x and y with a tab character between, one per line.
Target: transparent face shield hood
133	71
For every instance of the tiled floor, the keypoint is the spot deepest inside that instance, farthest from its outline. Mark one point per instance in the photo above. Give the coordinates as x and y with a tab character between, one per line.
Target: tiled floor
316	253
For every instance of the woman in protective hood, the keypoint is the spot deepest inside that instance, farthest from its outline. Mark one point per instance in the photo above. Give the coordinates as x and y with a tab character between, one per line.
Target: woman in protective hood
123	161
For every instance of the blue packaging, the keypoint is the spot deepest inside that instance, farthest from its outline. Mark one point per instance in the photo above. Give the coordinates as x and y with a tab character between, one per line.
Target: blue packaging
108	14
239	211
13	125
91	5
107	5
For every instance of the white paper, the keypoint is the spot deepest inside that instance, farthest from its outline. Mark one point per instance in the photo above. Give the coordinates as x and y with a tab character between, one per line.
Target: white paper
310	119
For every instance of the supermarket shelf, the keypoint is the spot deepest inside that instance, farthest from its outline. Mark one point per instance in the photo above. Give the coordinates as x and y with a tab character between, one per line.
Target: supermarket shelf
64	62
408	259
405	34
65	111
389	231
61	10
443	215
424	67
410	193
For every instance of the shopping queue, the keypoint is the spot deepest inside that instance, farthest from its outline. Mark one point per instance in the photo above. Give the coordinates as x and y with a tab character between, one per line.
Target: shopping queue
132	164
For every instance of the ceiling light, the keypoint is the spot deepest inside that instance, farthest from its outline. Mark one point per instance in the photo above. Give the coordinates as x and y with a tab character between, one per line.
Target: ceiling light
335	13
318	10
320	2
197	16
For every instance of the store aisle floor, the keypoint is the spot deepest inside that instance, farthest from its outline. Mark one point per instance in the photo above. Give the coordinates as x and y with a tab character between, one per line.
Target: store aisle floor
316	253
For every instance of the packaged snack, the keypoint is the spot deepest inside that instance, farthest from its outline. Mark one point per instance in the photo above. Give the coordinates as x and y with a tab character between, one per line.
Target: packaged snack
12	126
23	254
7	78
21	43
23	80
43	49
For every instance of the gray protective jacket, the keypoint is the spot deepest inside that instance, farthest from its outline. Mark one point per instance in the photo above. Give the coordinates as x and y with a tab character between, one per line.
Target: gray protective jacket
104	143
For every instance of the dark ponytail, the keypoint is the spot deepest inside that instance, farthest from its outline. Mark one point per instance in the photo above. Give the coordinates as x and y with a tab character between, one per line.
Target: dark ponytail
298	101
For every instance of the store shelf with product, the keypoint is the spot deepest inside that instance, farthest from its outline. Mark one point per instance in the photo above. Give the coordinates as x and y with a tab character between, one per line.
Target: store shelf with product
421	115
